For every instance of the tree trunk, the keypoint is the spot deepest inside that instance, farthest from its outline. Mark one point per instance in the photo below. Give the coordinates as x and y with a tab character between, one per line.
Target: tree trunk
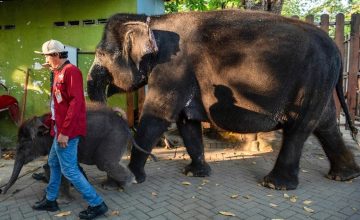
273	6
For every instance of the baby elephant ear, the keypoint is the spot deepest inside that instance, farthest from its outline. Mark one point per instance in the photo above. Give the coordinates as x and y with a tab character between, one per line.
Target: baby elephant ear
139	40
34	125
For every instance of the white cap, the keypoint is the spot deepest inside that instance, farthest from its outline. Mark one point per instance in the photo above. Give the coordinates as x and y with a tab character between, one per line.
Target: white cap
52	46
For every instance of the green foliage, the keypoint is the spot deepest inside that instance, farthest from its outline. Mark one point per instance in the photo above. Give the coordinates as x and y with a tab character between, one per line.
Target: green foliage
200	5
290	7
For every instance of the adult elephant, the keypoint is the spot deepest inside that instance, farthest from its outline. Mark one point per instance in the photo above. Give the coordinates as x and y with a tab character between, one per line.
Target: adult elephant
242	71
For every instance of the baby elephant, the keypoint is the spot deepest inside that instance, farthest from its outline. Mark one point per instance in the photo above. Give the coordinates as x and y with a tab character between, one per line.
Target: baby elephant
108	137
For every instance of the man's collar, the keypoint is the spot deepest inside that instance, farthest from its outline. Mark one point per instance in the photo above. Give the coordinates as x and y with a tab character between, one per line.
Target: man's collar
62	65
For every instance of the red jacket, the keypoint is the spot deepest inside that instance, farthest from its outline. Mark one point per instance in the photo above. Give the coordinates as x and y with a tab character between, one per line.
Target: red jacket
69	102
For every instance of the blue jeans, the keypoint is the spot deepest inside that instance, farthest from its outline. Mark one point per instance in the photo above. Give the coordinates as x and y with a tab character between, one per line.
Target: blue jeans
64	160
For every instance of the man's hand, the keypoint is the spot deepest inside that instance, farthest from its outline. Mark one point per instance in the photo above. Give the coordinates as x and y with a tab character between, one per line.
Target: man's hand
63	140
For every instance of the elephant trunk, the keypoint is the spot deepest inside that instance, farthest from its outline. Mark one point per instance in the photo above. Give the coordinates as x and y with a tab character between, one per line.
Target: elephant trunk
19	163
97	81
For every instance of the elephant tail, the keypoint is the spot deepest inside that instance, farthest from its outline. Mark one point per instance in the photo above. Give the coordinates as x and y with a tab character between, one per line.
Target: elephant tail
340	94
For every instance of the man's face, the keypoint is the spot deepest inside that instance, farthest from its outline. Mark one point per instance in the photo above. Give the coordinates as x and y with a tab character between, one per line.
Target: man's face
52	59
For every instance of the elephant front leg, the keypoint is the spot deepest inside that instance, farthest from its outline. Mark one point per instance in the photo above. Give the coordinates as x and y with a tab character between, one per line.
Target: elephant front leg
191	134
149	131
284	175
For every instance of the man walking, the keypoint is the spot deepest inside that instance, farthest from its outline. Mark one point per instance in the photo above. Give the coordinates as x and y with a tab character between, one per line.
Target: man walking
68	125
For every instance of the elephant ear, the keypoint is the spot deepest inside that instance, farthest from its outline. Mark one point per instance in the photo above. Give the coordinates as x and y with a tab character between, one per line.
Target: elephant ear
37	127
139	40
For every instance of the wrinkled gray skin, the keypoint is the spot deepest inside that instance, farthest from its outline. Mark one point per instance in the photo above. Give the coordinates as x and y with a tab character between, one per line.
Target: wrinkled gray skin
242	71
107	139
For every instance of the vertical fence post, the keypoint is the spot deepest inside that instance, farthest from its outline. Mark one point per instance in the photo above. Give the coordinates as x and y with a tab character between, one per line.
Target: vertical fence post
324	22
130	108
310	19
339	40
353	64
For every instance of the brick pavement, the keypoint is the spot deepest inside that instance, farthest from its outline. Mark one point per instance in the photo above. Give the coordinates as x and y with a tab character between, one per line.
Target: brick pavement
233	187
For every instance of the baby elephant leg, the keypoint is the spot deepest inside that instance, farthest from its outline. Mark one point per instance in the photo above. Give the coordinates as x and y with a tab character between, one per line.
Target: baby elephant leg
117	174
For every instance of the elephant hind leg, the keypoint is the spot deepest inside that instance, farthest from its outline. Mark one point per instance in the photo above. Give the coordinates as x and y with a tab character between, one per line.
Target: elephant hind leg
117	174
284	175
342	163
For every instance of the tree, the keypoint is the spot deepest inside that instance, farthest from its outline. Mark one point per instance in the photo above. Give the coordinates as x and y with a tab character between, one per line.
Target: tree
274	6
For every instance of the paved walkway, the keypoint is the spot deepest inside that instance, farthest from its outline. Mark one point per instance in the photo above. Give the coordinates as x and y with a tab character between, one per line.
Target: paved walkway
233	189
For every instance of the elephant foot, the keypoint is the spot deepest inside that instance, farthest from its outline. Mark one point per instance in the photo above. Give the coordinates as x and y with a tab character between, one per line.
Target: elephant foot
109	184
345	174
198	170
139	173
280	182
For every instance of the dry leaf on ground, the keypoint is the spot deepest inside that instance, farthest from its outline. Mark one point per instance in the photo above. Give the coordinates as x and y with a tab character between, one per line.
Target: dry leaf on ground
61	214
307	202
186	183
247	197
115	212
286	196
273	205
293	198
154	194
227	213
234	196
308	209
304	171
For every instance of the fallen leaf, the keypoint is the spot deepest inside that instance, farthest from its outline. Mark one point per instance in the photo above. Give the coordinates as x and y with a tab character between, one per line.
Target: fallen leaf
321	158
286	196
307	202
154	194
199	187
227	213
293	198
269	195
115	212
217	184
61	214
247	197
304	171
308	209
193	197
354	209
273	205
234	196
186	183
254	162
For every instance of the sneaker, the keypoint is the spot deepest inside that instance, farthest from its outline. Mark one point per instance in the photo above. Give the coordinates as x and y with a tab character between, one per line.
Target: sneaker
46	205
93	212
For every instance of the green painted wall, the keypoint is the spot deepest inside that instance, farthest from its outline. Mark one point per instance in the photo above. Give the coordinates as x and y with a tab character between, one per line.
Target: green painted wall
34	24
